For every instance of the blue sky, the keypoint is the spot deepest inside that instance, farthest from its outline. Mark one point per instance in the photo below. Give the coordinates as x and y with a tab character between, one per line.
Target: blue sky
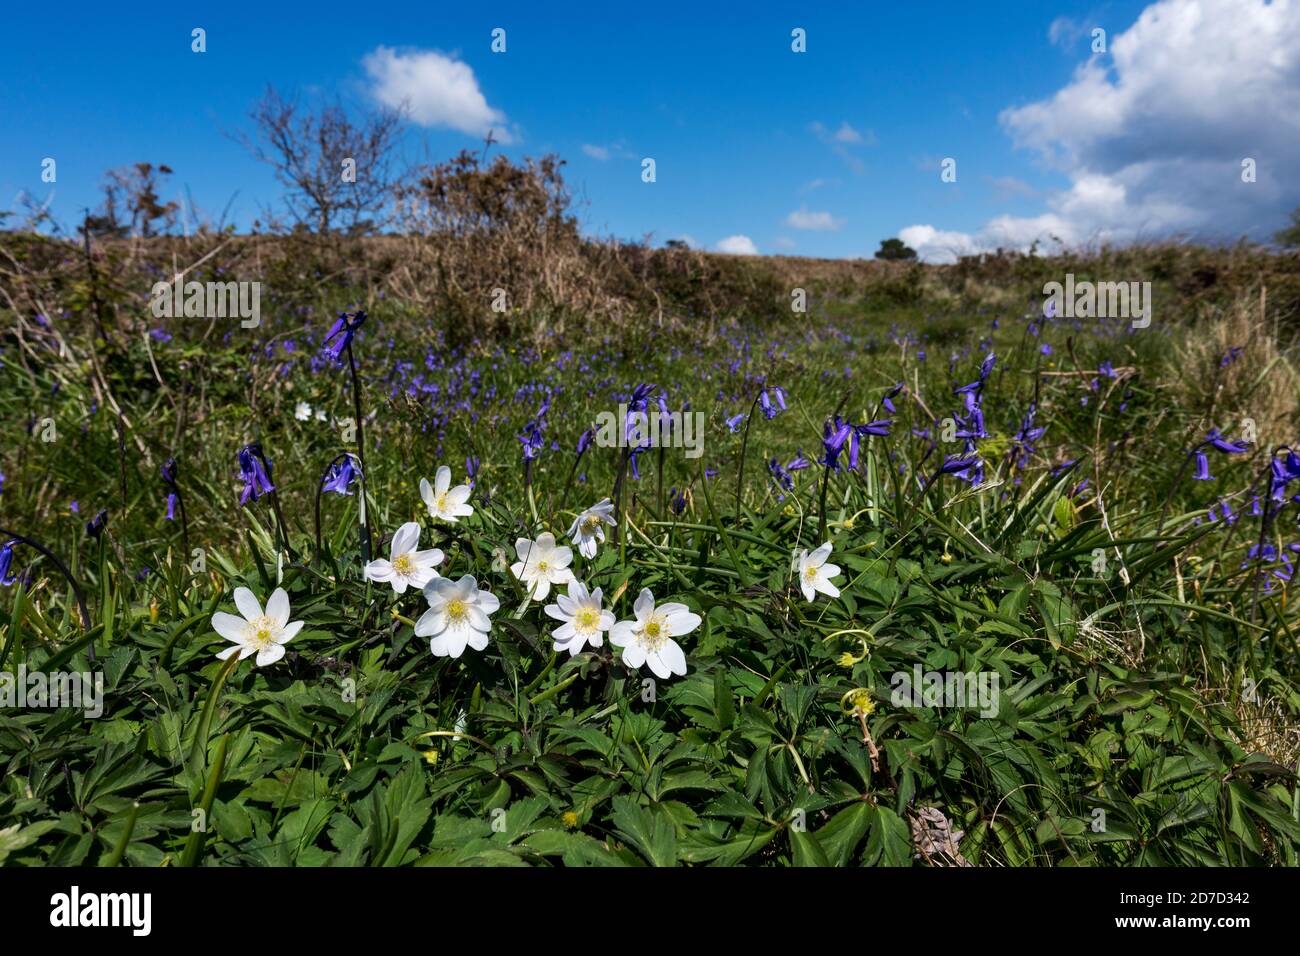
822	153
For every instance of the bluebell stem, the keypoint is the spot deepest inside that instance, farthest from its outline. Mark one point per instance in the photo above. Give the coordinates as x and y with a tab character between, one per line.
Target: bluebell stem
174	500
15	538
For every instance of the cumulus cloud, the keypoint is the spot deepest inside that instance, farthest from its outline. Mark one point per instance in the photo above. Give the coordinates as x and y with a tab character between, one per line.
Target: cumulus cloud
435	90
738	246
804	218
1153	141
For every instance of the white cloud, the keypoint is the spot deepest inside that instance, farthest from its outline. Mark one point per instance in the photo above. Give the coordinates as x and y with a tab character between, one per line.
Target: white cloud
738	246
1152	143
847	134
596	152
435	89
804	218
1063	32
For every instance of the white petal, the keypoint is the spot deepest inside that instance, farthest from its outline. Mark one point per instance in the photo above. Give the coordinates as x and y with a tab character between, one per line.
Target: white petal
442	480
821	584
672	655
230	627
380	569
488	601
431	622
633	654
405	539
270	655
624	632
645	604
277	607
232	649
818	557
288	632
682	622
248	604
426	492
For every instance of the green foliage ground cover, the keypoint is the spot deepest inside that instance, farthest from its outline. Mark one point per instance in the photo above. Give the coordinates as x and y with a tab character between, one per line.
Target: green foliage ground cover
1146	662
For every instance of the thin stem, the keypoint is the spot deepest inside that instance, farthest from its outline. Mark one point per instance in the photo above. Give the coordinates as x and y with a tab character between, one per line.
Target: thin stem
744	449
361	452
63	568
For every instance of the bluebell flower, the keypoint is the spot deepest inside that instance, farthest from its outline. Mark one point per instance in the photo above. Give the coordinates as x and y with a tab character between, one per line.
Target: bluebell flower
888	400
255	471
834	437
734	422
6	563
340	477
772	409
584	440
341	333
1223	445
95	526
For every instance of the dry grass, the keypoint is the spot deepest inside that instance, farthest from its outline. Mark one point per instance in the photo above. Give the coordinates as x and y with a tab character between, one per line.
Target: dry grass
1261	385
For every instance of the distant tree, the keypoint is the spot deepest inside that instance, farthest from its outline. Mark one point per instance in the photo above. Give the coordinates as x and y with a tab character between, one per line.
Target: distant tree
131	205
1290	236
677	244
337	173
895	249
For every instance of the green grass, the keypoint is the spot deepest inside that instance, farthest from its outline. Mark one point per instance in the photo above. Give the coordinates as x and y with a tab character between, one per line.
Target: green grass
1148	694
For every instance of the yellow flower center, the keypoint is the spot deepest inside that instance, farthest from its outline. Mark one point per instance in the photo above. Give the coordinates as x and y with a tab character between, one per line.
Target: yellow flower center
810	573
653	635
403	564
457	610
542	565
261	632
589	525
586	619
442	501
570	819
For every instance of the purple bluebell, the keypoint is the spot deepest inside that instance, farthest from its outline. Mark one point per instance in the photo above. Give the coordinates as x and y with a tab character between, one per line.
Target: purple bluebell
734	422
6	563
95	526
341	333
255	471
341	475
765	401
1225	446
888	400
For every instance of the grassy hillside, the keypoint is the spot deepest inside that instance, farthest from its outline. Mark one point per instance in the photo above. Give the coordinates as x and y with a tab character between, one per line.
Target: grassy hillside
1094	525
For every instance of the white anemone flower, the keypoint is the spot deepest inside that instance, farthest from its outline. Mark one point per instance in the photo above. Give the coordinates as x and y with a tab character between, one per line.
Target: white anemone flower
443	500
587	531
649	639
257	632
406	566
815	574
542	563
459	615
302	412
582	617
